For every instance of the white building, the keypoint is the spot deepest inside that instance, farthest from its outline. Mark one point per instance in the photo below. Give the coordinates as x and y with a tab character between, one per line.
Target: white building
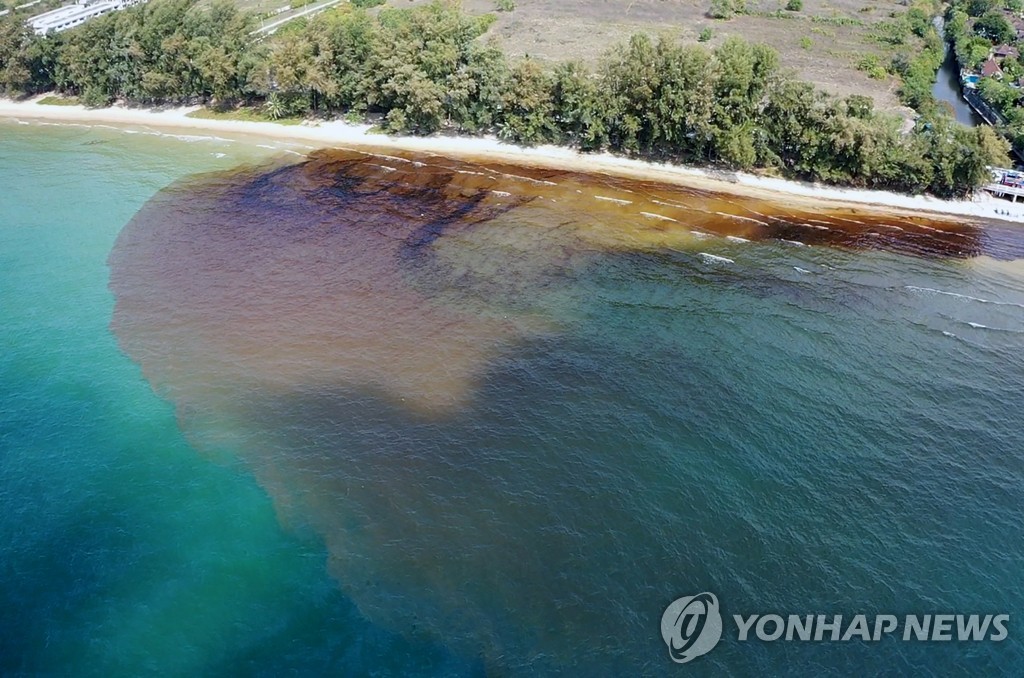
69	16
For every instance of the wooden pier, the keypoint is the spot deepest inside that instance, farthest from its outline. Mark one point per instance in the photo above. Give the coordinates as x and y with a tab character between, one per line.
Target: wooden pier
1002	188
1003	191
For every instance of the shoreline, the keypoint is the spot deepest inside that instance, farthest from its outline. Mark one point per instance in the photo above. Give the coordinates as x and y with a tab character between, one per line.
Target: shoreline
339	133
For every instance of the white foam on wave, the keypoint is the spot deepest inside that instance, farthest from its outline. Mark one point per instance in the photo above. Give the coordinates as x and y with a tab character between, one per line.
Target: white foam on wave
460	171
146	132
530	179
818	227
979	326
800	270
700	234
619	201
966	297
662	217
376	155
856	222
190	137
795	243
68	124
742	218
736	238
669	204
714	258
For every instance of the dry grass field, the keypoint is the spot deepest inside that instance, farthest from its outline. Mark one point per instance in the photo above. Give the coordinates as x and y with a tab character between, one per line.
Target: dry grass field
823	43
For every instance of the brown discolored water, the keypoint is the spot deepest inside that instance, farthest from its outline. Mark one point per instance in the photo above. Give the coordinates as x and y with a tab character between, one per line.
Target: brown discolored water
403	274
502	396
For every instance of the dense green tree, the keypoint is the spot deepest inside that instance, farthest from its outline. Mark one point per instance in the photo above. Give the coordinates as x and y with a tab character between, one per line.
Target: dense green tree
428	68
474	98
684	105
994	26
630	81
1002	96
342	42
919	21
578	107
960	155
979	7
744	73
956	22
971	51
918	74
528	107
418	54
860	106
23	58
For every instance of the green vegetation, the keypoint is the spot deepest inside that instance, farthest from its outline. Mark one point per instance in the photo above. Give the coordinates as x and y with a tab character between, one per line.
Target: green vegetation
993	26
872	65
806	42
505	5
915	51
795	5
425	69
836	20
59	101
918	72
974	27
726	9
243	114
705	35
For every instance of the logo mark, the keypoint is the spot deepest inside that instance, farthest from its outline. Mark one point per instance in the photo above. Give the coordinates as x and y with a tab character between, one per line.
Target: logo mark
691	626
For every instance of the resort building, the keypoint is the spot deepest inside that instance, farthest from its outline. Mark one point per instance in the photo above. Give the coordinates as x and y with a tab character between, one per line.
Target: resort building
69	16
991	69
1004	51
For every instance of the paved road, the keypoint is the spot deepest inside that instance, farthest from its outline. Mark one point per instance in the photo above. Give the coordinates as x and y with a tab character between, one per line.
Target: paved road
272	26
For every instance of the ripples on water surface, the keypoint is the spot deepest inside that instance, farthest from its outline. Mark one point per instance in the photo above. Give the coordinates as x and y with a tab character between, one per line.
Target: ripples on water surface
524	410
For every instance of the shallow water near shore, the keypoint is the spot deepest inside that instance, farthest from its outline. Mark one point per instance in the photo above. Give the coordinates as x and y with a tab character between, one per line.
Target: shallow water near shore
413	416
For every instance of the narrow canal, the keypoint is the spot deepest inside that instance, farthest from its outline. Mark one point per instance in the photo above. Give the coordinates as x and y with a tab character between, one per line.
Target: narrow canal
947	89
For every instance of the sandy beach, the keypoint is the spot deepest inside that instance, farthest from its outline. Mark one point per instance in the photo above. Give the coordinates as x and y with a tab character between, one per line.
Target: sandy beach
346	135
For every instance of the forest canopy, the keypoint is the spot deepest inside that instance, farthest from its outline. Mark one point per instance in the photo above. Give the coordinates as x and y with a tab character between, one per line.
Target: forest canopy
430	68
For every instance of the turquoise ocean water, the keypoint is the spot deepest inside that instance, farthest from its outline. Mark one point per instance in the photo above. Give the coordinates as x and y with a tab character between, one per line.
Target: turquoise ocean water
497	449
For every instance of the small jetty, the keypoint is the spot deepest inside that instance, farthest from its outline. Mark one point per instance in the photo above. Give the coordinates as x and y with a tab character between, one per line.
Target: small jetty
1006	183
